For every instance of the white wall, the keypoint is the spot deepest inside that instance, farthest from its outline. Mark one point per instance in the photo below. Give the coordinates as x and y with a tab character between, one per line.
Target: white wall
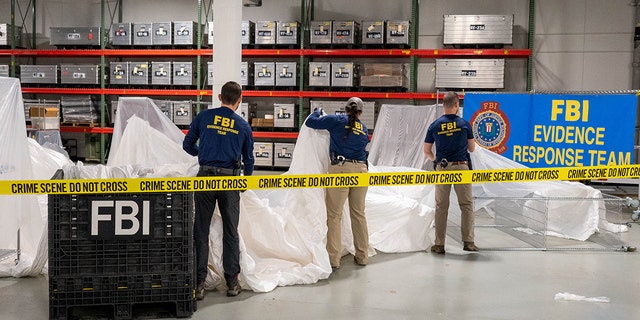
579	44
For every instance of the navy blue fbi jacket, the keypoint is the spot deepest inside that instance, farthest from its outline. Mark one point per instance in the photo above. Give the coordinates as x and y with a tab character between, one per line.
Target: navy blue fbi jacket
353	145
450	134
224	137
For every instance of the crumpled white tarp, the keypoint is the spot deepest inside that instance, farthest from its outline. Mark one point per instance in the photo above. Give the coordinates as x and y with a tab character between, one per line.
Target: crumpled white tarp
22	158
398	141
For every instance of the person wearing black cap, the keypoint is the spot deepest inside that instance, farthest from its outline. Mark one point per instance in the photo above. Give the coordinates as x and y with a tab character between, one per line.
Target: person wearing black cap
225	146
348	140
453	137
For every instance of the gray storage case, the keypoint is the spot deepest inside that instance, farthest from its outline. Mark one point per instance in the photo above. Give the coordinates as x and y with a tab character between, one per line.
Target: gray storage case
4	70
488	30
247	29
182	112
264	74
345	33
119	72
320	32
142	35
39	74
263	153
185	33
470	73
284	115
288	33
265	33
75	36
80	74
398	33
283	153
5	35
319	74
344	74
161	72
286	74
139	73
372	32
162	33
121	34
183	74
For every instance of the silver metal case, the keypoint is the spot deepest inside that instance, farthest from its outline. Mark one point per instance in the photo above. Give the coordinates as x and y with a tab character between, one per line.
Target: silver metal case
372	32
182	112
398	32
247	29
185	33
161	72
263	153
478	29
284	115
142	34
165	106
288	32
4	70
210	33
337	107
75	36
5	35
121	34
283	153
470	73
210	73
162	33
265	33
183	73
319	74
39	74
244	111
344	74
345	33
139	73
246	73
119	72
286	74
264	74
80	73
320	32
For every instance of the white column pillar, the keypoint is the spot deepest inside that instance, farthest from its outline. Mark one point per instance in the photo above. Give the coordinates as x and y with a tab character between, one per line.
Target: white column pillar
227	45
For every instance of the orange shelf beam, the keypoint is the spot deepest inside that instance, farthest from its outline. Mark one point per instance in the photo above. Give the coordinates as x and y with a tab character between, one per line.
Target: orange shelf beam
108	130
451	53
421	53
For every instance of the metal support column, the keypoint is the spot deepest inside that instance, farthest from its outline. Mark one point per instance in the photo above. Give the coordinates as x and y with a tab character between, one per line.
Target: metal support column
198	57
413	60
532	34
103	41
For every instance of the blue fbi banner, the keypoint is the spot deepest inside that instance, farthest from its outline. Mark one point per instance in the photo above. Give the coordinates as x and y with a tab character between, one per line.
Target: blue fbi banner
555	130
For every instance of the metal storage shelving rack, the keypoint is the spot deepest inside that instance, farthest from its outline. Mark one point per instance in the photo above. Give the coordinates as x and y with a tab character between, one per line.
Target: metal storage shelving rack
413	54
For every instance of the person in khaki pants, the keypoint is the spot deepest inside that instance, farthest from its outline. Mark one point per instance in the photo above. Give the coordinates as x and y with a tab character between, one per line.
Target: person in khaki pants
348	140
453	137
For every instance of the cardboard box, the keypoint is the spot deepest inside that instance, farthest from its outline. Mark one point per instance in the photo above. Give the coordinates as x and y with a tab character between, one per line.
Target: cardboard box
44	112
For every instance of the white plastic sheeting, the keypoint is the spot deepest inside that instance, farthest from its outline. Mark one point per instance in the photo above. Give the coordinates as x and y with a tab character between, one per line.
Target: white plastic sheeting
398	141
22	158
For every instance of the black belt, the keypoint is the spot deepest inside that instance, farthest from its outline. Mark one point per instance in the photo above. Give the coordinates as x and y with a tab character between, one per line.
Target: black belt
341	160
218	171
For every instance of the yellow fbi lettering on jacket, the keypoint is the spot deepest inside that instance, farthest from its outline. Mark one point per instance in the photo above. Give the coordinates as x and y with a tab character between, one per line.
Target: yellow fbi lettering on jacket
223	125
448	128
357	128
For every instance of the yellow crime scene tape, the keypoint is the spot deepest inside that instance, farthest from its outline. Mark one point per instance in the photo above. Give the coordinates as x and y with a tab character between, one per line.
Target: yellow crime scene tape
220	183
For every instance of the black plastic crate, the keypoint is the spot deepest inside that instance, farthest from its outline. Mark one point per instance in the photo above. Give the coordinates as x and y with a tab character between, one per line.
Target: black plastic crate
121	295
168	246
